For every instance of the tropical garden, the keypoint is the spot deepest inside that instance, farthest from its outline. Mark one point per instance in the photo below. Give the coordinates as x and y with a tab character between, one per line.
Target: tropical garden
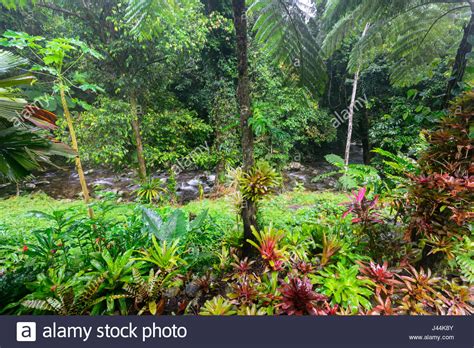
259	157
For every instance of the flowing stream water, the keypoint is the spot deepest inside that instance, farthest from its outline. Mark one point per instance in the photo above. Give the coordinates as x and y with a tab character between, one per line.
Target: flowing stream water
64	183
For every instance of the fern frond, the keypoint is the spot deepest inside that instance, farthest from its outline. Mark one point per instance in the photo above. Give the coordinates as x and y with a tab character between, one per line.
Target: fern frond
466	265
412	33
286	34
465	259
338	33
153	17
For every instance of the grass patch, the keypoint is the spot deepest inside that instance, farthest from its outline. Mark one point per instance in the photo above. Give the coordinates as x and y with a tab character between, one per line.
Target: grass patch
284	211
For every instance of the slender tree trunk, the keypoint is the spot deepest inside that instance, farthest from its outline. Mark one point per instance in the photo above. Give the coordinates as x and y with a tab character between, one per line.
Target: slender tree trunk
351	109
249	209
75	147
138	137
460	62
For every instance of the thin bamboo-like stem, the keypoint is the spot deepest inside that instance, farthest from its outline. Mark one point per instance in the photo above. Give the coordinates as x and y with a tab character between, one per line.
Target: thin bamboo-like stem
72	132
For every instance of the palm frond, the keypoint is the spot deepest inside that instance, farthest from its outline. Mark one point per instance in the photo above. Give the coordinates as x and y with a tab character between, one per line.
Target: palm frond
24	141
9	61
412	41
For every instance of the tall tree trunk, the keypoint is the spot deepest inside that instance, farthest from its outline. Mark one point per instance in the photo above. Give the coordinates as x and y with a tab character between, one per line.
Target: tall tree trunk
72	132
249	209
138	137
460	62
351	109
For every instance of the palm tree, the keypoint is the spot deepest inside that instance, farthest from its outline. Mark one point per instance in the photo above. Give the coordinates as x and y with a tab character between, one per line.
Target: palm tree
24	140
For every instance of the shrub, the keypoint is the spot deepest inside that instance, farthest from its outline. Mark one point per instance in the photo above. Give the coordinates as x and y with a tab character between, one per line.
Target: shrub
442	194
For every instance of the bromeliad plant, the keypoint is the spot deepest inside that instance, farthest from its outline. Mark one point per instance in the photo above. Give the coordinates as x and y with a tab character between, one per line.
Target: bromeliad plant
342	285
218	306
331	245
259	182
383	279
165	255
150	191
420	293
363	209
241	268
267	243
458	299
115	272
298	298
244	292
65	300
147	292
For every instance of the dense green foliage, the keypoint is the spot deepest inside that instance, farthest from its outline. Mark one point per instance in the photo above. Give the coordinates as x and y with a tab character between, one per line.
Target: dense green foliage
208	210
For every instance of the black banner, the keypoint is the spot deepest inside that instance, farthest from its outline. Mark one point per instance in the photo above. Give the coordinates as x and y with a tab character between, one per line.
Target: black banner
191	331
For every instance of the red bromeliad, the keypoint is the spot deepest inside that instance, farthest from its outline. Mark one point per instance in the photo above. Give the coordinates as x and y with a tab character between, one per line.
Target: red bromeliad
384	307
298	297
267	245
241	267
380	275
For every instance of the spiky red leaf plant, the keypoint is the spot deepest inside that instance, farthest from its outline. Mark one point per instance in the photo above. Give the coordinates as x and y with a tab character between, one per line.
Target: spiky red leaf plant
421	293
380	275
298	297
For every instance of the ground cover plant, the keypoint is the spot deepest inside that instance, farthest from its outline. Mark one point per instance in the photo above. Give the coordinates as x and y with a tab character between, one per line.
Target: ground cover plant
193	158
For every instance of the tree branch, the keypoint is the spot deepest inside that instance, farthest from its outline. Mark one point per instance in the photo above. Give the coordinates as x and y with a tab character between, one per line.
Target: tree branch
60	9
